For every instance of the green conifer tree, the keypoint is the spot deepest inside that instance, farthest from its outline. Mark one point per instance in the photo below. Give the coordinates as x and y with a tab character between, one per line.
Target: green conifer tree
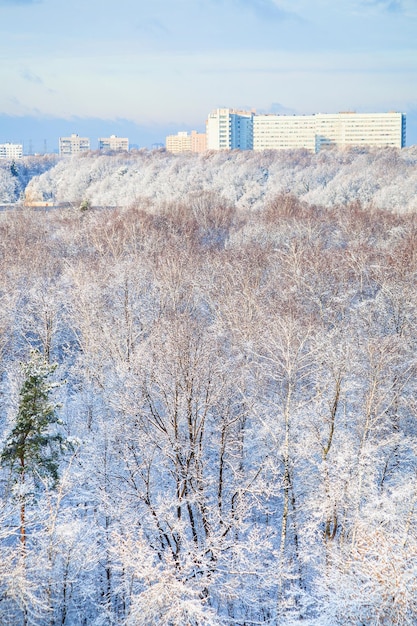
34	446
13	169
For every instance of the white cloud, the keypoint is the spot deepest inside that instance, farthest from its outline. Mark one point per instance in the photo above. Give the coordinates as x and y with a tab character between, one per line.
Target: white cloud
176	60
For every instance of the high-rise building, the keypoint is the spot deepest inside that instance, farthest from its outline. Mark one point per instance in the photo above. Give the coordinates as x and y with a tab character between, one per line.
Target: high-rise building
360	129
181	142
118	144
184	142
284	132
11	151
71	146
315	132
230	129
198	141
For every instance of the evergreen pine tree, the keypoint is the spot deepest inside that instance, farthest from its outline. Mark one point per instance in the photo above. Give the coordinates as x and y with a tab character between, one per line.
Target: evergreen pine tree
13	169
34	446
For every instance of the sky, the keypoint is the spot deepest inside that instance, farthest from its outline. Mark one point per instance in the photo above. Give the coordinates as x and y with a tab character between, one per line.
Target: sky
148	68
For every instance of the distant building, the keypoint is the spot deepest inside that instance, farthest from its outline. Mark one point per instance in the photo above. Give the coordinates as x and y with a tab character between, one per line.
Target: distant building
11	151
230	129
284	132
184	142
118	144
71	146
178	143
322	130
198	141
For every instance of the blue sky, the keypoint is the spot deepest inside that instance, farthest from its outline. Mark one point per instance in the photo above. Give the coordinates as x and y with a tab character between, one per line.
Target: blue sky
147	68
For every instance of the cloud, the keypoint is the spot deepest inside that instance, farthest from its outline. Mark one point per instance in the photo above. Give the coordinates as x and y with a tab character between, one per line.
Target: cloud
39	131
395	6
391	6
31	77
19	2
153	27
263	9
278	108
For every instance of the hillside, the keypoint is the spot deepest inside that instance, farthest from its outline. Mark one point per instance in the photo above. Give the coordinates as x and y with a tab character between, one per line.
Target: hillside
232	417
15	175
386	179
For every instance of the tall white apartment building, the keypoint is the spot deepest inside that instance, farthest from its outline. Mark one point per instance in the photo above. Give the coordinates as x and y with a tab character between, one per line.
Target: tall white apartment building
360	129
11	151
184	142
322	130
71	146
284	132
118	144
230	129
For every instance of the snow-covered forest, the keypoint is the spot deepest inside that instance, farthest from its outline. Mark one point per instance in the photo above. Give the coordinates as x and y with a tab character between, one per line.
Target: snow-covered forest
386	179
208	400
15	175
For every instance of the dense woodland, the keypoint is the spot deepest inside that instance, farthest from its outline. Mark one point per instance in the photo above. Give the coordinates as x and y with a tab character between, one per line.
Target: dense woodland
386	178
15	175
208	408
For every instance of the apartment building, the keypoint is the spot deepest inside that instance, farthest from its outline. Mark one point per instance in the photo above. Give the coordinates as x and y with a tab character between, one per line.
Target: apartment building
284	132
230	129
181	142
198	141
117	144
73	145
360	129
322	130
184	142
11	151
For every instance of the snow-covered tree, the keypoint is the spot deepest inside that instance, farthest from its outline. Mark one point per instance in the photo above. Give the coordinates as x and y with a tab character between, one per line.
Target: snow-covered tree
33	447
